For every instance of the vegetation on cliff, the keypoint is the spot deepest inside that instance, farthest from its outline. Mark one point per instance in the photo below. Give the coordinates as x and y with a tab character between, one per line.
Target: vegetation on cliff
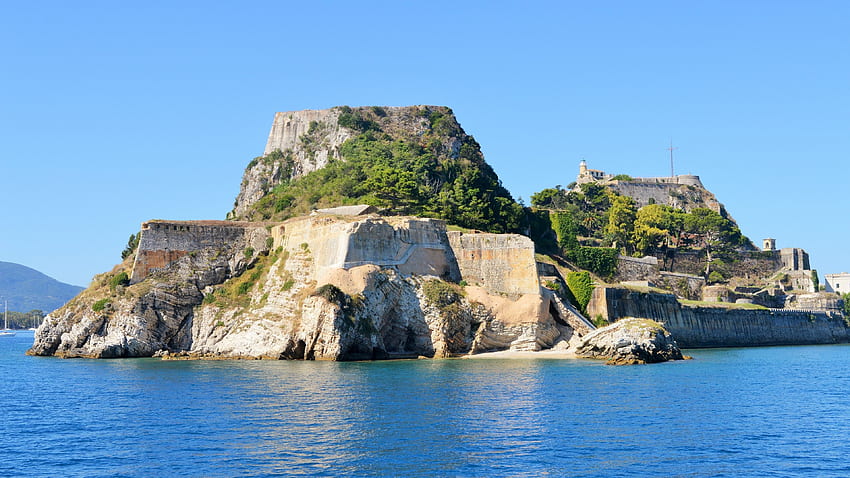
594	215
440	174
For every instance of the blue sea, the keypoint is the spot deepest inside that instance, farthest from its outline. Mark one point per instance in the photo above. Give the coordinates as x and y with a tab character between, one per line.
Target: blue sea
778	411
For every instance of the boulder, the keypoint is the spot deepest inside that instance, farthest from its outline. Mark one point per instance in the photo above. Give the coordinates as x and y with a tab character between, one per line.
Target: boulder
630	341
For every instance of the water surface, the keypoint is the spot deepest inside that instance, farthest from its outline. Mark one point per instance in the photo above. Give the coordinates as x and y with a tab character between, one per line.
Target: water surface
778	411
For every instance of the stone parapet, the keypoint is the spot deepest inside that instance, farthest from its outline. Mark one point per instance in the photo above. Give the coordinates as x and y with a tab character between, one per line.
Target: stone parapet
162	243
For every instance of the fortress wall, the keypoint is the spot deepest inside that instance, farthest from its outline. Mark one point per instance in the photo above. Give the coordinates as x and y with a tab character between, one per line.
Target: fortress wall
721	327
752	264
502	263
643	192
164	242
414	246
633	268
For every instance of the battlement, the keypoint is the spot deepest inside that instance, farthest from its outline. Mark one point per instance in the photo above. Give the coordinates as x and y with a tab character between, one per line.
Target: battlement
586	175
163	243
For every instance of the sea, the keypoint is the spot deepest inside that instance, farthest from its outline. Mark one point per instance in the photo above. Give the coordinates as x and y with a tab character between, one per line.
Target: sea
772	411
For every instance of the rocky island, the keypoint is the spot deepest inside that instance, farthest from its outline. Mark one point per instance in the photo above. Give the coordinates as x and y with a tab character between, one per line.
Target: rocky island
381	232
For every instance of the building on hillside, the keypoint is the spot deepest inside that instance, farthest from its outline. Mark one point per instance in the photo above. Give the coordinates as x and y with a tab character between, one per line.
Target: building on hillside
769	245
794	259
838	283
586	175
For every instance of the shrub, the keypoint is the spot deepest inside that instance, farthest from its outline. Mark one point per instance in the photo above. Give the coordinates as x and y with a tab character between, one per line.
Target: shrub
331	293
599	321
288	284
121	279
244	287
99	305
440	294
601	261
581	286
248	252
715	277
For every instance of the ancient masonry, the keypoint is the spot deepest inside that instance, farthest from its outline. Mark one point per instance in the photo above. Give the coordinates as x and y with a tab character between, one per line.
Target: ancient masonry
500	263
164	242
678	191
718	326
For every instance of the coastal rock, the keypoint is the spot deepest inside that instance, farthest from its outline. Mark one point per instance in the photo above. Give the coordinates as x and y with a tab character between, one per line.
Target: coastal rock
630	341
317	288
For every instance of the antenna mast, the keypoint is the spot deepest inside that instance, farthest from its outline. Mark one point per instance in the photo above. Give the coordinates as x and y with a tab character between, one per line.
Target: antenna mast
671	148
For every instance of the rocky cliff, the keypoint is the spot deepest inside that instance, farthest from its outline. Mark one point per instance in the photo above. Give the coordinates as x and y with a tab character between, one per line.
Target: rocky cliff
317	287
301	142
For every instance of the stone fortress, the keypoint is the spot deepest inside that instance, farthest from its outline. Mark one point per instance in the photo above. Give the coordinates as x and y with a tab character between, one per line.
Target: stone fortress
347	284
683	191
788	269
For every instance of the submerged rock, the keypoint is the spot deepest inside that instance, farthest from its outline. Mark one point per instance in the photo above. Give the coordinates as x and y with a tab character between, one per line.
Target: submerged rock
630	341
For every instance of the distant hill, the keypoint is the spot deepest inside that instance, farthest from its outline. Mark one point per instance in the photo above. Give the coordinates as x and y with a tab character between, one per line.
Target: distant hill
28	289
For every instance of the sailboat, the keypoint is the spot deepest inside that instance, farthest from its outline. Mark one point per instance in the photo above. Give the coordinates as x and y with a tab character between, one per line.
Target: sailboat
6	332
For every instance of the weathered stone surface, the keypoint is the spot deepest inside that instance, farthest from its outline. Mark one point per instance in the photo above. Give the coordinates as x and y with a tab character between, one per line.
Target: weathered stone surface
320	287
163	243
630	341
500	262
718	326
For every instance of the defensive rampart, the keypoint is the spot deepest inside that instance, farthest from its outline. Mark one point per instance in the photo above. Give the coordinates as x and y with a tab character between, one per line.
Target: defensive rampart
413	246
164	242
720	326
502	263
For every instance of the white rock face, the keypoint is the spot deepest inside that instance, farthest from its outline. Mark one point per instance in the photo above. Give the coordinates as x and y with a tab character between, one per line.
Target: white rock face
630	341
319	289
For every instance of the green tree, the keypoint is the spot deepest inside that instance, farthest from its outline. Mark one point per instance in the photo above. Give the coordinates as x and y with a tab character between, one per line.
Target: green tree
655	225
713	232
621	221
132	244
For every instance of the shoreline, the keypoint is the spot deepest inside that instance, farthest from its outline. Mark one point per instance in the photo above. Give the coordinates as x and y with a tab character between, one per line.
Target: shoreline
513	354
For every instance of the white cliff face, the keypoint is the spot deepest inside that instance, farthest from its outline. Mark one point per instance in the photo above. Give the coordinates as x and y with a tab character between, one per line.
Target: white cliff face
285	304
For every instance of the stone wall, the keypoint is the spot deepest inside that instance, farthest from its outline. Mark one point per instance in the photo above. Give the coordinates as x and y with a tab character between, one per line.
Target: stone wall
750	264
163	243
686	196
718	326
634	268
794	259
414	246
502	263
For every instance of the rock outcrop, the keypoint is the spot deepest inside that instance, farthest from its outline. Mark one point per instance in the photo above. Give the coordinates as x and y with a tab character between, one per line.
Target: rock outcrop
322	287
630	341
301	142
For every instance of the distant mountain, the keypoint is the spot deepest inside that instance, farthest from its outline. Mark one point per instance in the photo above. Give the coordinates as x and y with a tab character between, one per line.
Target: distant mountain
27	289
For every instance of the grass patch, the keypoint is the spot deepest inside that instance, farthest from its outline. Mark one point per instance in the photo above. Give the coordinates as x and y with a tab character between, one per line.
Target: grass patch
100	305
721	305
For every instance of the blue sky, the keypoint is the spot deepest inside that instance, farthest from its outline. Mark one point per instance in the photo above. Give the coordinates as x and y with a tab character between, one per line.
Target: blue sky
113	113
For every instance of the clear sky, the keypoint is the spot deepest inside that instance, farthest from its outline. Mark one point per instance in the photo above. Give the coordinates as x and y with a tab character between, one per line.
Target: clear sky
113	113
